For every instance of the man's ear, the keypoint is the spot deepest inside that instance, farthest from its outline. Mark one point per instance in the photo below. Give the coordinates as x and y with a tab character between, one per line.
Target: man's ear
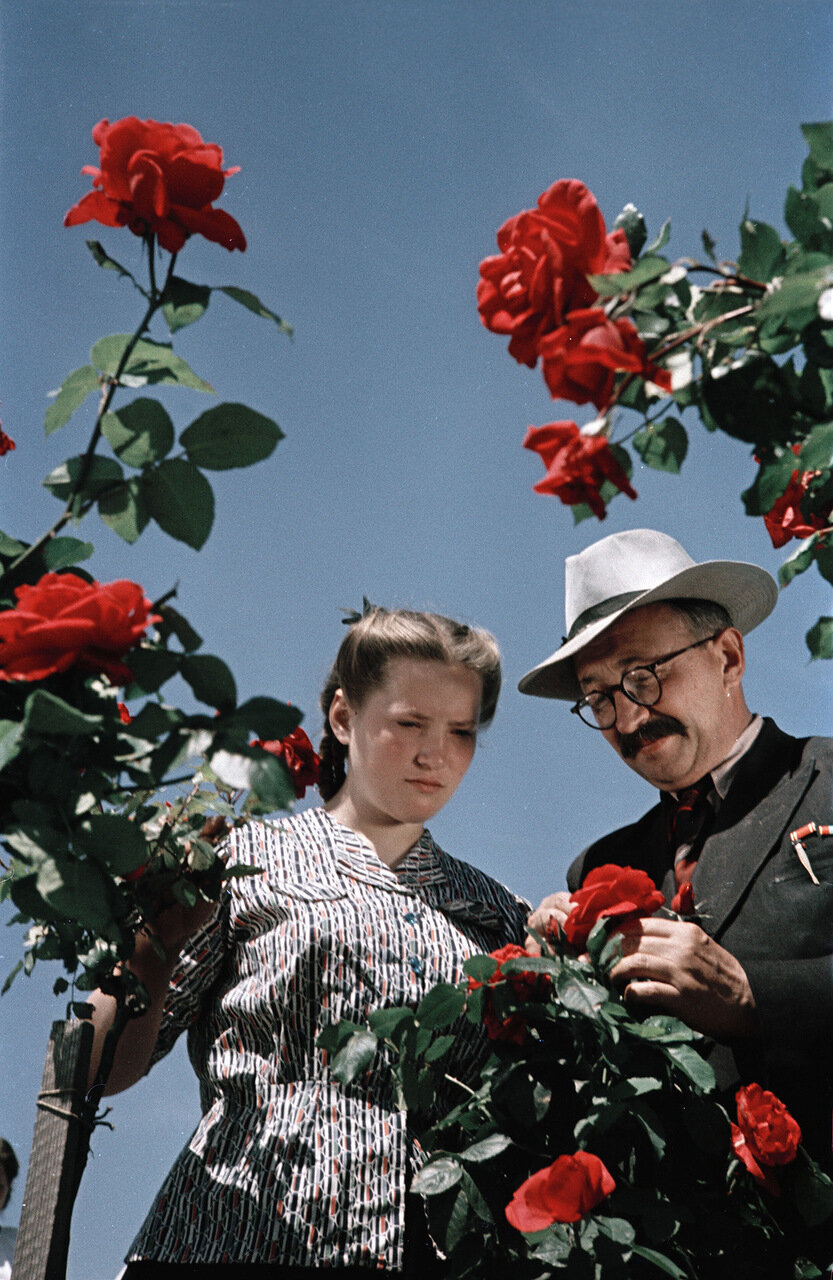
730	644
340	716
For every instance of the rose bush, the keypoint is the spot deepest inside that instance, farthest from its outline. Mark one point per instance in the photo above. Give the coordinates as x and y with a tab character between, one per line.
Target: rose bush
610	892
765	1134
63	621
744	345
577	465
607	1125
565	1192
299	756
541	272
157	179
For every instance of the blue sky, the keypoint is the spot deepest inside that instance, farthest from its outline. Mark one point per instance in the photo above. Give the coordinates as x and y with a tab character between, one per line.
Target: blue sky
381	144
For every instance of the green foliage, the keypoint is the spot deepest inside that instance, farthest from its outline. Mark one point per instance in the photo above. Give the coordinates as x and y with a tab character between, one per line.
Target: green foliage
109	814
230	435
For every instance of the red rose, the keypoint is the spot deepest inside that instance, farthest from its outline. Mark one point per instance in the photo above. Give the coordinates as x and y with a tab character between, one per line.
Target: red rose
565	1192
581	357
299	756
577	465
157	179
785	519
526	985
64	621
124	713
610	892
765	1135
6	443
541	271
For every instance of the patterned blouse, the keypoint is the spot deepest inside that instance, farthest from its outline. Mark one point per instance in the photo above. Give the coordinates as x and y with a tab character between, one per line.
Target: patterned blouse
287	1165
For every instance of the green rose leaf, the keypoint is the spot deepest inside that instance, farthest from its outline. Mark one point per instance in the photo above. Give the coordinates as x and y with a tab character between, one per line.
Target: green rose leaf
210	680
103	473
149	362
355	1057
11	732
441	1006
762	253
60	553
581	995
109	264
268	718
184	302
437	1176
795	301
663	445
139	433
47	714
824	560
617	1229
820	638
336	1034
180	500
481	968
812	1193
770	482
174	623
487	1148
819	138
693	1065
230	435
651	267
113	841
261	773
386	1023
817	450
254	304
662	239
631	221
124	509
72	393
750	401
661	1261
150	668
799	561
75	890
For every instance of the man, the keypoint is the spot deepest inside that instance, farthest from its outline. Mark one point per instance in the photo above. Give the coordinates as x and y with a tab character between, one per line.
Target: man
654	659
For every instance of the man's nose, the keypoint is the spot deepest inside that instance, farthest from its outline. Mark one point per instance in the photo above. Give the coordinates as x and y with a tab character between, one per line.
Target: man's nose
629	715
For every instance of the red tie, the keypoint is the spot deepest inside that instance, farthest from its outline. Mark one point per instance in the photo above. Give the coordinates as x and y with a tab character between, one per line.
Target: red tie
685	822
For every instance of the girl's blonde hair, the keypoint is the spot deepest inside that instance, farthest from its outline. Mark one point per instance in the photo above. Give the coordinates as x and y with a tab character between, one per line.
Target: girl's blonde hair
383	634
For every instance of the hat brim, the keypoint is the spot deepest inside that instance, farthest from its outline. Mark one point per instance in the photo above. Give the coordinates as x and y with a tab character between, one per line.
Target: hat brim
747	592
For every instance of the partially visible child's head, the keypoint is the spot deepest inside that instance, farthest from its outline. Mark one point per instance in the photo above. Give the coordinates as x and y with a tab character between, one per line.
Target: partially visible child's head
8	1171
381	635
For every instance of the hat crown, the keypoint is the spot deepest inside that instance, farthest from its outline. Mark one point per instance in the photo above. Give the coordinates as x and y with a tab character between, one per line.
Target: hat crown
619	566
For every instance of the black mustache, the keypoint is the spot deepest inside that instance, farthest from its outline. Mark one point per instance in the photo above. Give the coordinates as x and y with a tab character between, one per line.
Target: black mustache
659	727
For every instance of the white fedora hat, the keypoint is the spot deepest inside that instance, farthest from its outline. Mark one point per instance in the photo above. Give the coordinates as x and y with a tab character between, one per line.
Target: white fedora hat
631	569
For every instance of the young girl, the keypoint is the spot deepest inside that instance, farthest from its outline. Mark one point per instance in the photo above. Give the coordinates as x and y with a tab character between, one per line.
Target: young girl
356	909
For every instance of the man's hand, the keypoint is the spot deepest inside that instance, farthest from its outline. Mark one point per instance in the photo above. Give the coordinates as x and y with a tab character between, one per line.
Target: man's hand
675	967
553	910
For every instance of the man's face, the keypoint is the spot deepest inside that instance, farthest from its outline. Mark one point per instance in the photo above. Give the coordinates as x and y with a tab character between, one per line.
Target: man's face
700	711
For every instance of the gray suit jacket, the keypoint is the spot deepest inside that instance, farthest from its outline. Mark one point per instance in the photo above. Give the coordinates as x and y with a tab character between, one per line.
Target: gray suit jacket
755	899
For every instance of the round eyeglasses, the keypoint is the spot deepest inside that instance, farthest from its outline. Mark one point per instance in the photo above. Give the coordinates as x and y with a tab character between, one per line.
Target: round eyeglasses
641	685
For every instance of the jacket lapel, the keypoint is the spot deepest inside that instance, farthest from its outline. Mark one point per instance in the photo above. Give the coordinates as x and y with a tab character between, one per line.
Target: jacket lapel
750	826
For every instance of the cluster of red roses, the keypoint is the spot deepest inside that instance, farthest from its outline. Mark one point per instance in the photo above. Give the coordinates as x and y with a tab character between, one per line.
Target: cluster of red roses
536	291
524	985
765	1135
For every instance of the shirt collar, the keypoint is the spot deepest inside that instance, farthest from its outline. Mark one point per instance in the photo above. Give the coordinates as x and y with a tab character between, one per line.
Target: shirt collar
723	774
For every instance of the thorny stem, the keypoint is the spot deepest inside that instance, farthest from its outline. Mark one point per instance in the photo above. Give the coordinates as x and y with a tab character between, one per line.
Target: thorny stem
72	508
464	1087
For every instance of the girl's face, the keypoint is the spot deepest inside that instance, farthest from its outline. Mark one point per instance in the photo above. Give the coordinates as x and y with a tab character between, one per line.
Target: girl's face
411	740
